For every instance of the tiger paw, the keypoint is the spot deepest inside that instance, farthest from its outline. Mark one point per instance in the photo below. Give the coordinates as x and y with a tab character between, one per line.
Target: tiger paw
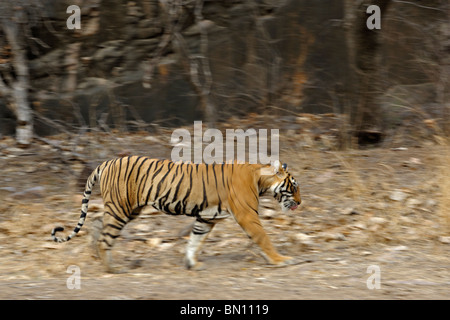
198	266
283	261
194	265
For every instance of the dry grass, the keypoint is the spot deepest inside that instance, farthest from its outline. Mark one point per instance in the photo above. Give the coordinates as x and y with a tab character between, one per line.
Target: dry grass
347	221
444	201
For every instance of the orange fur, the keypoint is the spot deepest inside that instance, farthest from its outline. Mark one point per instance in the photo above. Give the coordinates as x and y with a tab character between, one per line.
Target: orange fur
208	192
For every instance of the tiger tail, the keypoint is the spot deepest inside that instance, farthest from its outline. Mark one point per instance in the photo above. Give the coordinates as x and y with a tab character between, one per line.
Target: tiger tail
95	175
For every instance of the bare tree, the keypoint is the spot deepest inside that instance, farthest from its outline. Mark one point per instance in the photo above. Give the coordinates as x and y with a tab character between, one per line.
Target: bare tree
14	78
364	55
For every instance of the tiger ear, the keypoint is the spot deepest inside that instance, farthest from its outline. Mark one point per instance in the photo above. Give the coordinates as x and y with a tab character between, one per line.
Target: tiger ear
276	167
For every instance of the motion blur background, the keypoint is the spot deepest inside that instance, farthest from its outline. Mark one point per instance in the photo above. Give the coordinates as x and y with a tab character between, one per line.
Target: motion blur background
170	62
363	118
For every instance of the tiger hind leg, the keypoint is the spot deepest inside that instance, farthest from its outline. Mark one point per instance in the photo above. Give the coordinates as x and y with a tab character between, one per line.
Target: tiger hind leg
112	227
198	234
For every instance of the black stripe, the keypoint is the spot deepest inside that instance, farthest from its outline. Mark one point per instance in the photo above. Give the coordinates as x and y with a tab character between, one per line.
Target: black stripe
223	175
174	175
127	185
217	187
205	196
177	188
139	169
110	235
105	175
118	219
188	192
214	173
114	226
138	175
115	182
199	232
153	176
178	208
107	243
158	187
114	215
126	176
143	182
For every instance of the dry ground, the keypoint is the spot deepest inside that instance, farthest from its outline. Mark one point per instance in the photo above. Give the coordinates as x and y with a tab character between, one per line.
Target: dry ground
385	207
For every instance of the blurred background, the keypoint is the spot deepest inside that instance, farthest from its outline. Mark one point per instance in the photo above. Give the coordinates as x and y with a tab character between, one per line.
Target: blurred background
134	64
364	124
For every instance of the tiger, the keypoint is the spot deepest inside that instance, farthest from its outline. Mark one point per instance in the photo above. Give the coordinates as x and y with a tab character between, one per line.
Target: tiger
208	192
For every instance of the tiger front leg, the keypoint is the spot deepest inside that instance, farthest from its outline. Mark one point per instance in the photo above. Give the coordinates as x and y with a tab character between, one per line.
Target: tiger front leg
250	223
198	234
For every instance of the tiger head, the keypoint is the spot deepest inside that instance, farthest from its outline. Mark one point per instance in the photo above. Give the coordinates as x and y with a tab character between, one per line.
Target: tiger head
283	186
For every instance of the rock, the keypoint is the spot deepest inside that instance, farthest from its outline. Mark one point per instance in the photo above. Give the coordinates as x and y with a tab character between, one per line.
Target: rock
412	203
304	238
379	205
378	220
359	225
430	203
329	236
398	248
406	220
412	163
399	149
397	195
268	213
349	211
166	245
153	139
154	242
444	239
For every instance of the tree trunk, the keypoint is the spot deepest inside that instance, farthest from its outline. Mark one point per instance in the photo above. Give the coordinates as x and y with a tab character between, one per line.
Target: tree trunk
18	93
71	62
364	65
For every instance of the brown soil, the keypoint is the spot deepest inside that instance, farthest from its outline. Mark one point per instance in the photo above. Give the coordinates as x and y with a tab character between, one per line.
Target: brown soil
385	207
